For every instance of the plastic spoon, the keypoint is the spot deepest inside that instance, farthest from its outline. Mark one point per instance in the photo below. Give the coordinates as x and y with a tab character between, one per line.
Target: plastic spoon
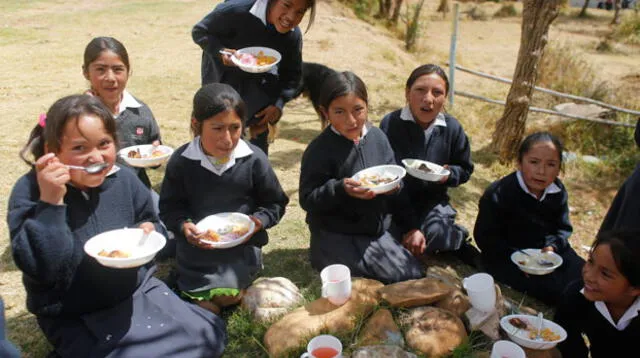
227	53
540	320
91	169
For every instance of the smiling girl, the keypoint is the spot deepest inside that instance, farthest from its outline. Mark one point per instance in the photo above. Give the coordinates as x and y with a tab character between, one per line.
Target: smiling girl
236	24
529	209
604	306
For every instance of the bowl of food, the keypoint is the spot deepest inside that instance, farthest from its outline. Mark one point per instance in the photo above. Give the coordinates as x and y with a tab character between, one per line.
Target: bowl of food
124	248
256	59
536	262
381	178
225	230
145	155
424	170
523	330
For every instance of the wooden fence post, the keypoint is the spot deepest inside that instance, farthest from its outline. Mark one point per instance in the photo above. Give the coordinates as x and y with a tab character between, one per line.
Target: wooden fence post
452	53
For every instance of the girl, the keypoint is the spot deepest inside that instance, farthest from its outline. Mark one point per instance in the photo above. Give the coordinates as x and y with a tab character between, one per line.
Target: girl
350	225
106	67
421	130
605	307
529	209
83	308
235	24
219	172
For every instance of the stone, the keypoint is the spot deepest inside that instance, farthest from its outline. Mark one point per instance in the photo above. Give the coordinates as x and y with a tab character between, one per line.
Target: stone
585	110
414	293
446	274
295	328
433	331
384	351
269	298
456	301
381	329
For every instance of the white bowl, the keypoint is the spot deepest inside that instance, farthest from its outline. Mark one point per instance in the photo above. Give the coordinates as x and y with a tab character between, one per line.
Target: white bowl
521	335
147	160
220	222
254	51
530	266
437	171
126	240
389	171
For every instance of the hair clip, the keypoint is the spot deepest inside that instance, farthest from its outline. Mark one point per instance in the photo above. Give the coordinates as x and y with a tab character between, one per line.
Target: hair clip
42	120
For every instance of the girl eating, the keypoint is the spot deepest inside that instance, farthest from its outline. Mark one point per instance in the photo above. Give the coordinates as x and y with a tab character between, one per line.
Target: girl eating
83	308
529	209
350	224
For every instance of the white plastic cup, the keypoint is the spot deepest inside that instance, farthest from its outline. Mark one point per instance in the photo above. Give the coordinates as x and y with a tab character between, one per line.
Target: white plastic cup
336	283
507	349
324	346
481	291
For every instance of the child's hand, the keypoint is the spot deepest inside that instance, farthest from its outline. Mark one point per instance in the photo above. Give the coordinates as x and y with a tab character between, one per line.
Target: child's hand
415	242
353	189
52	179
192	235
226	59
271	114
258	227
444	180
147	227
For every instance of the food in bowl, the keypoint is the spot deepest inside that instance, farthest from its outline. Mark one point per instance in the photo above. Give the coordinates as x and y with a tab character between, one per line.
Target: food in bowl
373	180
259	59
546	334
425	168
225	233
136	154
522	329
118	254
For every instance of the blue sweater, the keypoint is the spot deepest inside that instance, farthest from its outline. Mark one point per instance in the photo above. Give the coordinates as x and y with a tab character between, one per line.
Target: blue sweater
231	25
47	242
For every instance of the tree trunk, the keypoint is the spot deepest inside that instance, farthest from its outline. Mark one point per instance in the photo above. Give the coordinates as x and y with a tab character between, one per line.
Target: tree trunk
443	7
583	12
396	12
616	14
537	16
413	25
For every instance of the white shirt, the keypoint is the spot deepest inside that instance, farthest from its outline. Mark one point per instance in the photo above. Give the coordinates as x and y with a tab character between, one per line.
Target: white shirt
406	115
194	152
551	189
259	10
127	102
627	317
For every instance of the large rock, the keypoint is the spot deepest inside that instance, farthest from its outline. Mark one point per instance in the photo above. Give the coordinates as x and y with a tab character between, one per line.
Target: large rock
456	301
585	110
413	293
381	352
268	298
381	329
320	316
433	331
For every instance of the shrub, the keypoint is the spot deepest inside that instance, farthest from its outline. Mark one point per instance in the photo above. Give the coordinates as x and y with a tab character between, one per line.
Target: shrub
506	10
629	30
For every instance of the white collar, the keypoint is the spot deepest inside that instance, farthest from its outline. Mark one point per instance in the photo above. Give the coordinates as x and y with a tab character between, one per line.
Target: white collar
128	101
551	189
259	10
406	115
194	152
365	130
627	317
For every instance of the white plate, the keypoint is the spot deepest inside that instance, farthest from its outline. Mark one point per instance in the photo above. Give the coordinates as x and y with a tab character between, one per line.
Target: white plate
126	240
386	171
530	266
223	222
437	171
145	150
254	51
521	335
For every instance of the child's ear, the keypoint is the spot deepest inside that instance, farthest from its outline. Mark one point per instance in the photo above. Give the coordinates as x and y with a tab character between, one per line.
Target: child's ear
635	291
324	113
85	73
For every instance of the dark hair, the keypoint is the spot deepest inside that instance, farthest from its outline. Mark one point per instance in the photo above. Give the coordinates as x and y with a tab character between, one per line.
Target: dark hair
63	110
100	44
340	84
311	4
625	249
537	137
216	98
427	70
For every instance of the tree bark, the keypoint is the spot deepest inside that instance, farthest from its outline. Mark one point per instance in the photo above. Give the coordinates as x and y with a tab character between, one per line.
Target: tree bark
583	12
616	15
537	16
396	12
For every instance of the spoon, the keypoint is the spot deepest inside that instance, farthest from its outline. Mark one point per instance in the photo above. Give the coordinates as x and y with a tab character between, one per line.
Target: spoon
539	261
539	326
91	169
227	53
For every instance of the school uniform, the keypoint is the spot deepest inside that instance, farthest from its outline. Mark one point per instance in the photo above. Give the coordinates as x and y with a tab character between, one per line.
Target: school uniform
84	308
351	231
511	218
579	316
444	142
7	349
238	24
194	187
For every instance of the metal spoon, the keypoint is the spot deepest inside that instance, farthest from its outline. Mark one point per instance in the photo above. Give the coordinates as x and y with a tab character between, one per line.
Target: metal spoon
91	169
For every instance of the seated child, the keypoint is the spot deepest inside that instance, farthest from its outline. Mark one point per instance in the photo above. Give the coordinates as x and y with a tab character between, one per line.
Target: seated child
349	224
7	349
86	309
529	209
604	305
214	173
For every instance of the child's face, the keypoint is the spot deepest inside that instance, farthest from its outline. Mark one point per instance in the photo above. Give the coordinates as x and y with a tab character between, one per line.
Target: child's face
285	15
220	134
540	166
603	281
108	76
347	114
85	141
426	98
